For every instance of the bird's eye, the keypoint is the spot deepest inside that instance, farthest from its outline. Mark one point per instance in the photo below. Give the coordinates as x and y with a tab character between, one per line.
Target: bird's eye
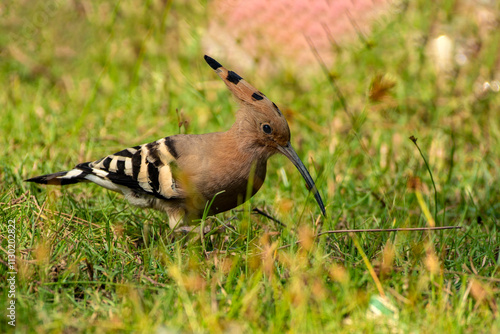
267	128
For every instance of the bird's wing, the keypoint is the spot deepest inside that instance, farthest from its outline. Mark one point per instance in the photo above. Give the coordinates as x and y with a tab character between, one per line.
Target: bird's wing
144	169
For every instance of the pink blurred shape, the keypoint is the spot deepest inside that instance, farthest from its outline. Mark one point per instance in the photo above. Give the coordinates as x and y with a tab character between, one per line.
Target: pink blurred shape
271	31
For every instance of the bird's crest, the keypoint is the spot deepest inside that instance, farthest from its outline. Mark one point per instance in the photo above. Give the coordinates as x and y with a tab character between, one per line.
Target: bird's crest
244	92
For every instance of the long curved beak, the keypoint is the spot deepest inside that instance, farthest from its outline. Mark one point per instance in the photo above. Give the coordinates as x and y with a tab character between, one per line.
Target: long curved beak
290	153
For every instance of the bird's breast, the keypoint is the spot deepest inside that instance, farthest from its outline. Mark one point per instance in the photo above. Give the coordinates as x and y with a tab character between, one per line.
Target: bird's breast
225	183
236	188
212	168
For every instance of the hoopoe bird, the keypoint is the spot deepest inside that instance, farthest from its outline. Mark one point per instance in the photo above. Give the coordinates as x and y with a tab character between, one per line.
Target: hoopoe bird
181	174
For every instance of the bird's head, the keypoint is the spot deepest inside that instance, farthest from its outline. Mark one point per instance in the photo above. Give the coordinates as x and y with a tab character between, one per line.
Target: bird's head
261	123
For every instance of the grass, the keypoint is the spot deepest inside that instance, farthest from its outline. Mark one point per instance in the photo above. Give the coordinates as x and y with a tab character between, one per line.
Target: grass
80	82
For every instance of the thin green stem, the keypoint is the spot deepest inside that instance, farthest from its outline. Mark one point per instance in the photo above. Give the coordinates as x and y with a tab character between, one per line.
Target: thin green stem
414	140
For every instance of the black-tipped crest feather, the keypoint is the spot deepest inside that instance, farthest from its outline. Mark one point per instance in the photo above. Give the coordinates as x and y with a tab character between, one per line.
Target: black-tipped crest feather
214	64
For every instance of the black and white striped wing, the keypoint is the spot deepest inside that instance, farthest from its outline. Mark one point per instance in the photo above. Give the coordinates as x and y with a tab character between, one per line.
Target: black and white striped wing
143	170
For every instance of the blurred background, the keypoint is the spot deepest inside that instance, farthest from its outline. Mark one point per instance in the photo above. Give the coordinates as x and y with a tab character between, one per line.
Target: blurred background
355	79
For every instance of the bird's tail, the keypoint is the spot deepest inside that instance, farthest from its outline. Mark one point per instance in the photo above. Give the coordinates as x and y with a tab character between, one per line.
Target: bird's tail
61	178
